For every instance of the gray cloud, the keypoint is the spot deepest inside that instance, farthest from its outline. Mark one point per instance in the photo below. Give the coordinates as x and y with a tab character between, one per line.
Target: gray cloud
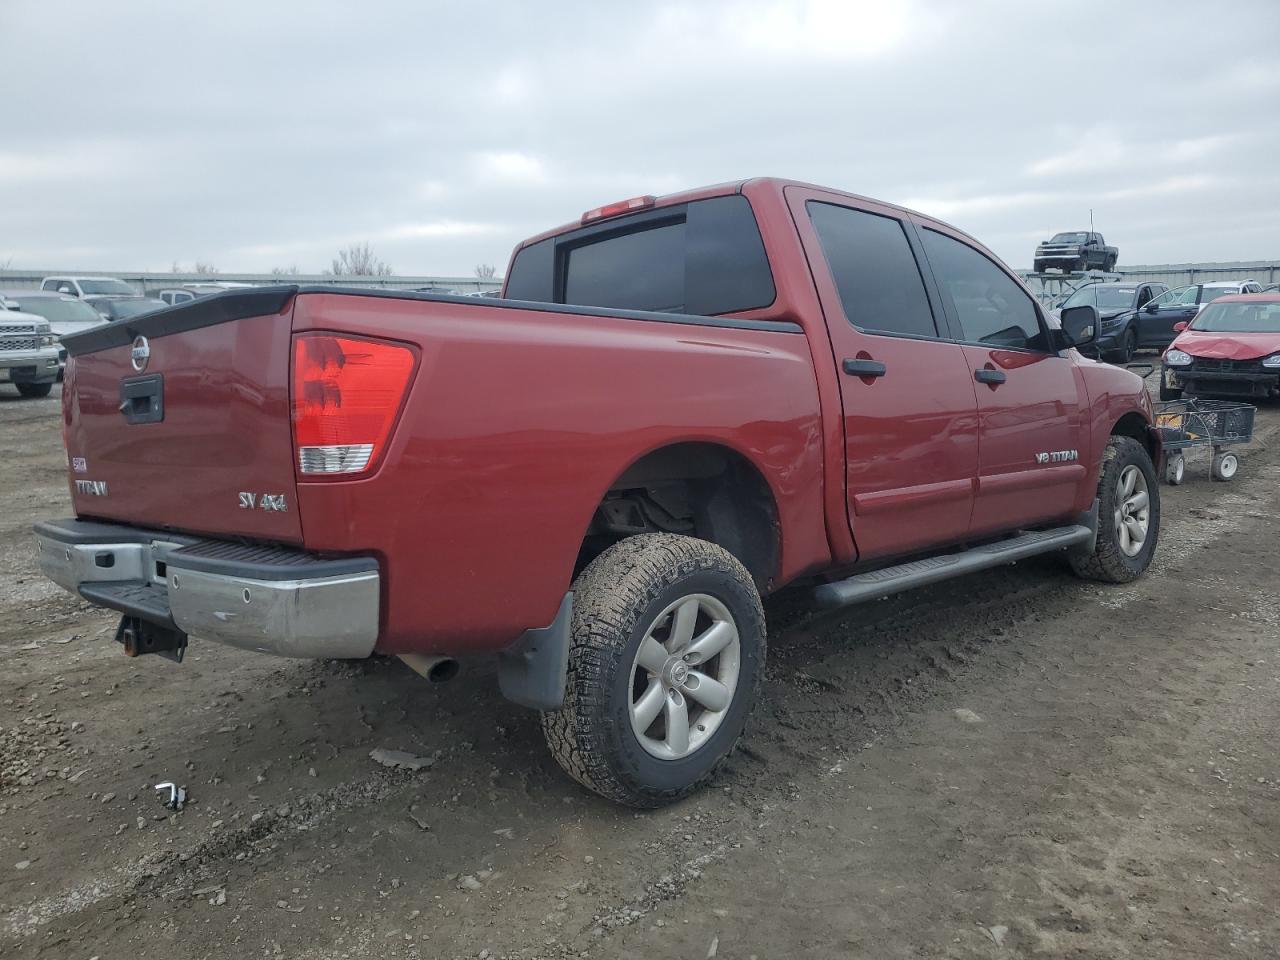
258	134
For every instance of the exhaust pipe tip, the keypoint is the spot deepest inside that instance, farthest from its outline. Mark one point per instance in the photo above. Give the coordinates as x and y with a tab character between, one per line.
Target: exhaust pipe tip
432	668
443	671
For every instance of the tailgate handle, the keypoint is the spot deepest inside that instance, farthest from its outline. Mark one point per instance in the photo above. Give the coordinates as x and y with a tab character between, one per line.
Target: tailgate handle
142	398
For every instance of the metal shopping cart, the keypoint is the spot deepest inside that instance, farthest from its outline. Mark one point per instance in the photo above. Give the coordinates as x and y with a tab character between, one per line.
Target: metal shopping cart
1217	424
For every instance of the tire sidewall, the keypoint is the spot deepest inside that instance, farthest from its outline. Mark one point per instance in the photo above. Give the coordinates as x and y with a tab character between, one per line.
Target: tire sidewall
634	764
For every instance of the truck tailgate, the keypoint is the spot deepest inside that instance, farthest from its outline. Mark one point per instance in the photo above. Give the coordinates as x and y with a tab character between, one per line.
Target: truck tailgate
194	436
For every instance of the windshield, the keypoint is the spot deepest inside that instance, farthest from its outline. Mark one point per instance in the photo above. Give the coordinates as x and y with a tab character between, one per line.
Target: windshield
123	309
108	287
1107	297
58	310
1069	238
1238	318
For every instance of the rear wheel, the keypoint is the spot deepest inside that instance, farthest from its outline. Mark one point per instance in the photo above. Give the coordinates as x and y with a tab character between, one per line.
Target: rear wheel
1175	470
666	657
1128	515
33	390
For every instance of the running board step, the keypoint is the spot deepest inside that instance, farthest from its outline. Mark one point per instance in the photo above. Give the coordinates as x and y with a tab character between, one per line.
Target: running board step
919	573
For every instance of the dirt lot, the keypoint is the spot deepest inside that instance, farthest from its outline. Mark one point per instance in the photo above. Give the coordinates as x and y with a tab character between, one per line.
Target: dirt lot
1016	764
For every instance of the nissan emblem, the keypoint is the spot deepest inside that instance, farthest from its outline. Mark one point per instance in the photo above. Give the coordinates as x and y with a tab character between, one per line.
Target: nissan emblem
140	353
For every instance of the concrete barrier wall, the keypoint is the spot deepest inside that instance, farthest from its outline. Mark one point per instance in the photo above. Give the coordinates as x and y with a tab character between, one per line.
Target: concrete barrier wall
148	282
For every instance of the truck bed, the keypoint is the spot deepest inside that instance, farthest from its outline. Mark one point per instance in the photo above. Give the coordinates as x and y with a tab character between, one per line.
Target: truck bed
518	419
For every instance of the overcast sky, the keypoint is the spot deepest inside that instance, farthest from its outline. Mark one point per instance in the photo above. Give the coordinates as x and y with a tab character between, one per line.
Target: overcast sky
269	134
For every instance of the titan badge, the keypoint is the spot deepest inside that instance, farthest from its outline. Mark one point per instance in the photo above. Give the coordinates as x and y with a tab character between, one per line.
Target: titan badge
1057	456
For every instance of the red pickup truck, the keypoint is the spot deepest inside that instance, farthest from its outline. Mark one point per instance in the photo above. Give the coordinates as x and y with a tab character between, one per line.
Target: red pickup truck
678	406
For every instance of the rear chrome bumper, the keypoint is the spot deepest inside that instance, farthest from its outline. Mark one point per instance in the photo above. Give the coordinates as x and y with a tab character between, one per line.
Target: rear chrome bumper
268	599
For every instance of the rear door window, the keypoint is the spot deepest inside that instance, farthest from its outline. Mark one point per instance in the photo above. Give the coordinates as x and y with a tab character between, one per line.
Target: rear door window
990	306
703	258
874	270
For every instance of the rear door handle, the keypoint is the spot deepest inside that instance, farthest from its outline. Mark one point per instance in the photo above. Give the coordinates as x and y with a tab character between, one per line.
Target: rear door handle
987	375
864	368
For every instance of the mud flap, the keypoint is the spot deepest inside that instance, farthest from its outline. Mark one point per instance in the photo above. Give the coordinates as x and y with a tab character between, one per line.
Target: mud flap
1090	520
532	671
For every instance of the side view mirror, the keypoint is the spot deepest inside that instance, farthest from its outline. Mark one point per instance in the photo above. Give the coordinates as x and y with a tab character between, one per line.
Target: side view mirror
1080	325
1151	308
1180	326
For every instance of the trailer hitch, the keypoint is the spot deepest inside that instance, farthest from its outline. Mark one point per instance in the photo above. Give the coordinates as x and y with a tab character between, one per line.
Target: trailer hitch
141	636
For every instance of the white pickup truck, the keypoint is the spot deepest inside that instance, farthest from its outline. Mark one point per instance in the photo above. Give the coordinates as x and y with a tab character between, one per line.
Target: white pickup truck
28	353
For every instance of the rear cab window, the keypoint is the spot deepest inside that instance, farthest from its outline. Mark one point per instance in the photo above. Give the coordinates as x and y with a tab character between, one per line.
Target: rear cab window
703	258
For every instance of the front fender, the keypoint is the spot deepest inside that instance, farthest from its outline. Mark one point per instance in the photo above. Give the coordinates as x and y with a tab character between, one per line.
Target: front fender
1118	402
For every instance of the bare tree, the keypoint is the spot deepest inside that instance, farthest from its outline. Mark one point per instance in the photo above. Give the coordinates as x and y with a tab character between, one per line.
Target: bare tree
358	260
7	263
176	267
486	271
289	271
204	269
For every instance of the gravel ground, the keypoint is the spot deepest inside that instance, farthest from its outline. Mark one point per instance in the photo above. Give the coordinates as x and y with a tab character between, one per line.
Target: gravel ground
1014	764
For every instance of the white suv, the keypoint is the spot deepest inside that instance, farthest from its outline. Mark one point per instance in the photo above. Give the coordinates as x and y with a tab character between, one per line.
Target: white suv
1212	291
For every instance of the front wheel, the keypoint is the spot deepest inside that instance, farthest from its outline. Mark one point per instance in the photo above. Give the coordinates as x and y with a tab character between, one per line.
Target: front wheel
1130	344
1175	470
1225	466
1128	347
1128	515
667	653
34	390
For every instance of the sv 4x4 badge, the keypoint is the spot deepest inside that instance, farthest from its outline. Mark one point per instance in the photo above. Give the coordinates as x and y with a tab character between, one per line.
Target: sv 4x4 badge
262	501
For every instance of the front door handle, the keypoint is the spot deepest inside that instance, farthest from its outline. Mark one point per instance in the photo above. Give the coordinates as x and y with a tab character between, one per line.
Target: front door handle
864	368
989	376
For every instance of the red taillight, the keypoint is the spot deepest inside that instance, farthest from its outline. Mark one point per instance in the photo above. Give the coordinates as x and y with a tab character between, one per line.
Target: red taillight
346	394
622	206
